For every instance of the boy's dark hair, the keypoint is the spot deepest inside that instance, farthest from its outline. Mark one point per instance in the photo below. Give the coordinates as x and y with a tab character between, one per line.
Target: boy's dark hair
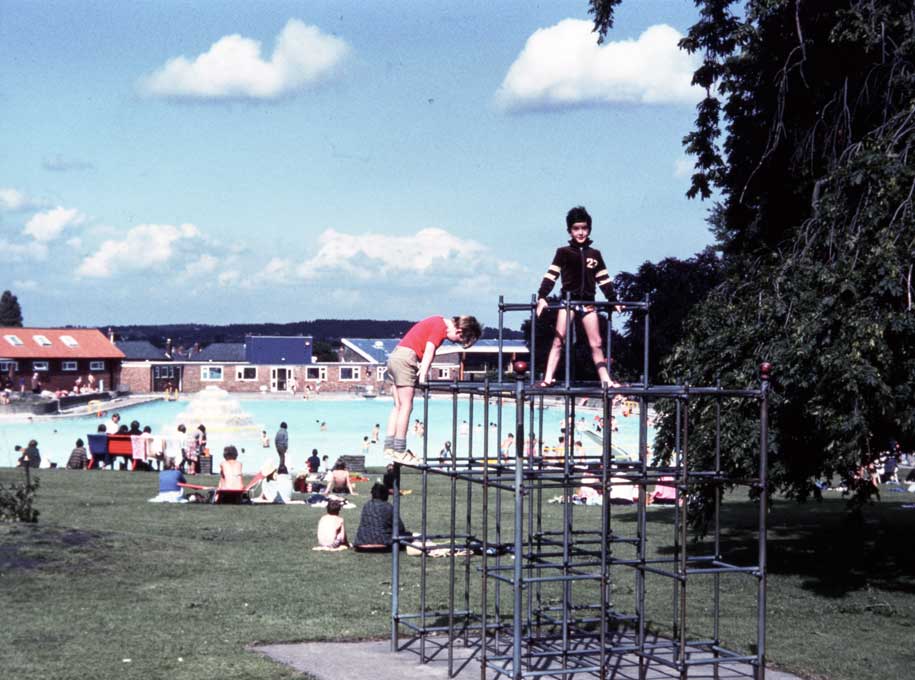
230	453
379	492
340	465
283	425
577	214
101	428
470	328
333	507
182	428
79	443
147	429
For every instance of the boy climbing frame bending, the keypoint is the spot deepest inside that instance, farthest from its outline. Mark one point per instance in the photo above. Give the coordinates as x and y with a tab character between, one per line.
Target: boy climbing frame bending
409	364
582	269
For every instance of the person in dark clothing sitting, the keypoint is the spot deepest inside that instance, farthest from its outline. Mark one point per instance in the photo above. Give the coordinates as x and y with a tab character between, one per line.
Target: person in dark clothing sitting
376	524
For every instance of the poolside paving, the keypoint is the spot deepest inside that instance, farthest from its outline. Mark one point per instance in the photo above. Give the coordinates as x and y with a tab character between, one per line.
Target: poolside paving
374	659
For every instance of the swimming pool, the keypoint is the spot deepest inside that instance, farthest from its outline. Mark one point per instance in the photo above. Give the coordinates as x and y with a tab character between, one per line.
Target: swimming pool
347	422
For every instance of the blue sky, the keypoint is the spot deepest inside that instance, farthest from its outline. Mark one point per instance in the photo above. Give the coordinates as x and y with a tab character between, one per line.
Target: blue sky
279	161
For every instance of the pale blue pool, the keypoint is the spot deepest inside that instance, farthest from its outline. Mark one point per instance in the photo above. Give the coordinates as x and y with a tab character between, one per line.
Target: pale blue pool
348	421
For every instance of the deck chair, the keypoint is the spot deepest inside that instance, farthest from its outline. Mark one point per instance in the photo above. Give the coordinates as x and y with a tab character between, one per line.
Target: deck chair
119	445
98	447
226	496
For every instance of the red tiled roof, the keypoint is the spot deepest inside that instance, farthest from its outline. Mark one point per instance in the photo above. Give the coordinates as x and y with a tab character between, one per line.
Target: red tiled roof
81	343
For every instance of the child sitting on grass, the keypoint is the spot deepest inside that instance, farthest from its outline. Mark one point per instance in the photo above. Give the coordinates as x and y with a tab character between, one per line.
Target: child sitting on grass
408	365
331	529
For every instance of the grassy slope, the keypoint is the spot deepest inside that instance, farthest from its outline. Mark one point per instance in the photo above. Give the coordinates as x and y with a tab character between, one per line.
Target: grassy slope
182	590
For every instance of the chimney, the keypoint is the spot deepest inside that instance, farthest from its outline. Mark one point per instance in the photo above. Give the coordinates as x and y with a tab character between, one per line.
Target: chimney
168	347
110	335
196	348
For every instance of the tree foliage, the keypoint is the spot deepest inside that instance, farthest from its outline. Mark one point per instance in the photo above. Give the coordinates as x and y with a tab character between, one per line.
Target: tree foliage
805	136
10	311
673	287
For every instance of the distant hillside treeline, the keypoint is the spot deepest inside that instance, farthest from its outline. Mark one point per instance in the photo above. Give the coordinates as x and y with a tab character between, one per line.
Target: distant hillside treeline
322	330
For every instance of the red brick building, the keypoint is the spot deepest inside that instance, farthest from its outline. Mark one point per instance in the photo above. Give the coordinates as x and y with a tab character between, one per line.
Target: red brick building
58	356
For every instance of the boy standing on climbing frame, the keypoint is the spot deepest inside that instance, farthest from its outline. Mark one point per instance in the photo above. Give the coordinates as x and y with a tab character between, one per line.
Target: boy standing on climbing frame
409	364
582	269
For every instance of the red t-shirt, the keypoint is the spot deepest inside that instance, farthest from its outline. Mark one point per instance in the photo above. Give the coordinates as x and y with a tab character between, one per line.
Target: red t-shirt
431	330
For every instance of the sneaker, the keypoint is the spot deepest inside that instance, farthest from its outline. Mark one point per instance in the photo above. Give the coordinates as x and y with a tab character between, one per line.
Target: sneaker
390	453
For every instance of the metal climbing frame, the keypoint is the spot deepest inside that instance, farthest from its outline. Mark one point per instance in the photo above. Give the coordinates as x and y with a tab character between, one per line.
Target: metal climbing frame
535	590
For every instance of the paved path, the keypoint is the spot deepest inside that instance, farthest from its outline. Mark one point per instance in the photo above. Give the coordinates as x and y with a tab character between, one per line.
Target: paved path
375	661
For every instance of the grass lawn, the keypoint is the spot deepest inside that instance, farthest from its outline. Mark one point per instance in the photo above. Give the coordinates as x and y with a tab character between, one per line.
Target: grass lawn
111	586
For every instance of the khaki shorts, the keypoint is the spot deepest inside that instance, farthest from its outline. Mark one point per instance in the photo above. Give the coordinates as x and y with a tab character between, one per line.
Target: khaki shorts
403	367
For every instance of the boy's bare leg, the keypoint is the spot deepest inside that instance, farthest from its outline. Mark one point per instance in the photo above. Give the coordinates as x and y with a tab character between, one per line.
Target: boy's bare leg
392	419
591	322
558	339
403	399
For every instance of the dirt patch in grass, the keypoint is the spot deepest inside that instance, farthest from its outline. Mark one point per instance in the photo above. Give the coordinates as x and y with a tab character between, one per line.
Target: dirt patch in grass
26	548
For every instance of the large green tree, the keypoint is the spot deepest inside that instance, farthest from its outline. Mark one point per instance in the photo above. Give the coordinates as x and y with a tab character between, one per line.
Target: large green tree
805	139
10	311
674	287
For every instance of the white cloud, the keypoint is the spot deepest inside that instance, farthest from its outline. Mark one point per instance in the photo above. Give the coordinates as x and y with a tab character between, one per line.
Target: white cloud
683	167
228	278
75	243
205	264
563	66
18	252
13	199
233	67
59	163
26	284
367	256
144	247
47	225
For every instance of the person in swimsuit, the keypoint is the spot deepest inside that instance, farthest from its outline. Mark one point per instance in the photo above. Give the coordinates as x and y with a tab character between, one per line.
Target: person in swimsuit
339	481
582	269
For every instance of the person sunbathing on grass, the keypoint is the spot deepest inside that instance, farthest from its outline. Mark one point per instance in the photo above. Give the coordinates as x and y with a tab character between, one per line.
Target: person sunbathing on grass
230	476
331	528
376	524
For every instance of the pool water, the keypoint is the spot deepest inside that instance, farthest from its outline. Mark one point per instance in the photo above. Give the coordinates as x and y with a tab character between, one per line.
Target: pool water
347	422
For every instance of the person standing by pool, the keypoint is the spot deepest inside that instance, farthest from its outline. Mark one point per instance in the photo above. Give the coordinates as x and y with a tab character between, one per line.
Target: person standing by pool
409	364
282	443
313	462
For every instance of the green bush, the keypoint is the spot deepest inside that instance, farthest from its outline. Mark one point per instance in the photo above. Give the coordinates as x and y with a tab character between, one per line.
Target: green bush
16	502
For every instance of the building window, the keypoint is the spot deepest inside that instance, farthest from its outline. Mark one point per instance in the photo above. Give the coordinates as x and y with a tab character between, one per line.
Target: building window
96	365
165	372
380	372
39	365
245	373
444	373
68	365
211	373
13	340
6	365
69	341
315	373
41	340
350	372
